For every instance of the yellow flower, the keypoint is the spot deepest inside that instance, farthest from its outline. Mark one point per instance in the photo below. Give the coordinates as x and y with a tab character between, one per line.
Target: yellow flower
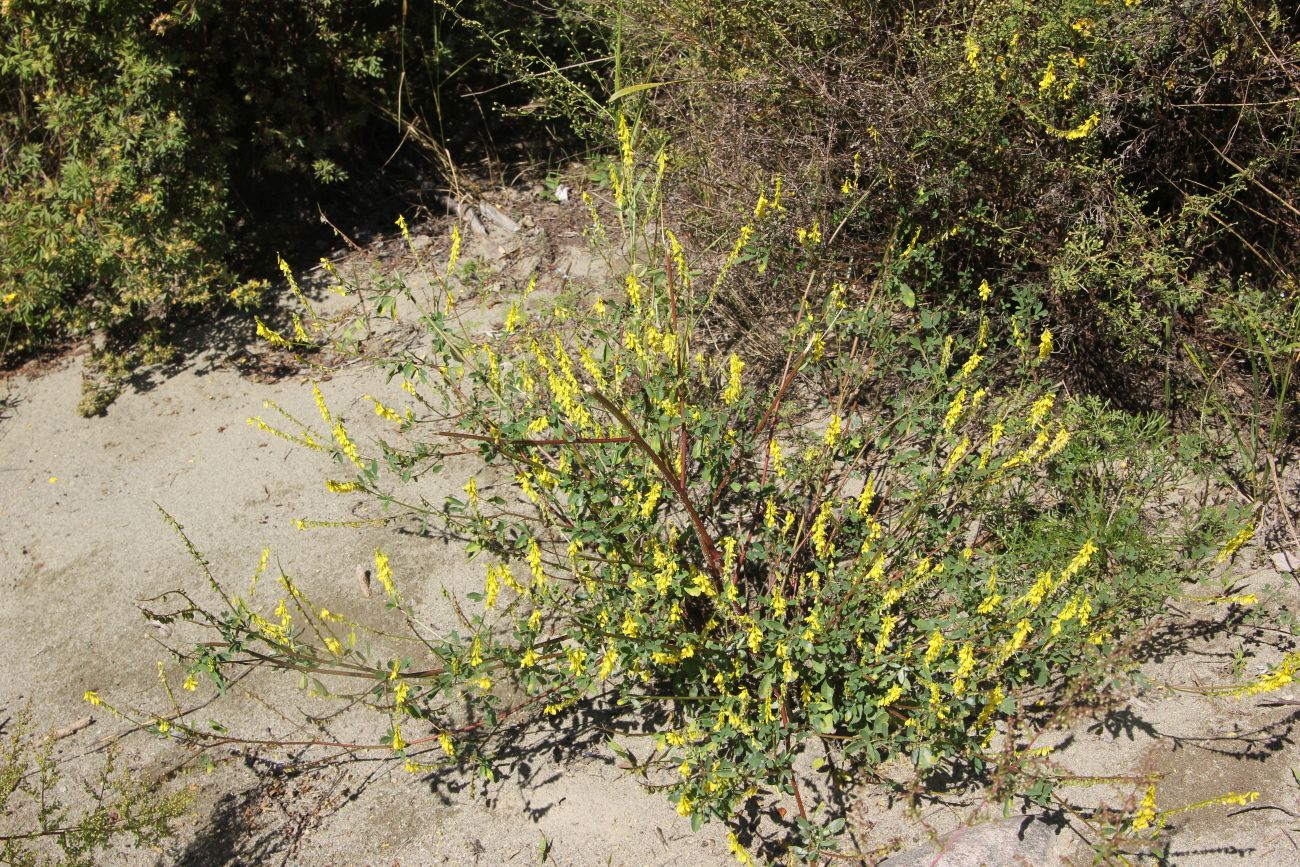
809	236
384	573
1049	77
887	624
512	318
732	393
958	452
969	367
778	465
535	561
454	256
607	664
651	500
985	291
1040	409
1083	130
346	445
444	741
1045	344
834	431
91	696
10	297
529	659
742	857
954	411
1058	442
935	647
1243	536
1146	810
191	683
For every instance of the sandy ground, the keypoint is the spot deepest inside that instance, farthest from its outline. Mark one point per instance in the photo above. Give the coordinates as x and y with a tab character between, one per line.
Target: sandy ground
82	541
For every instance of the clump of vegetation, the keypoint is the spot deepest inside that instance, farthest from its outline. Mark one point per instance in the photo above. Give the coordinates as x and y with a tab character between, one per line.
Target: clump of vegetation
37	826
905	544
1125	165
150	152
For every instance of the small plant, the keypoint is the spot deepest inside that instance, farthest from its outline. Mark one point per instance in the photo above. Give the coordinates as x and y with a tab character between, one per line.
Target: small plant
36	823
890	539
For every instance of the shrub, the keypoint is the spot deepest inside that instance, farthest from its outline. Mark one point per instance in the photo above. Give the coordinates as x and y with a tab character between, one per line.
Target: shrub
1123	163
905	543
149	152
35	822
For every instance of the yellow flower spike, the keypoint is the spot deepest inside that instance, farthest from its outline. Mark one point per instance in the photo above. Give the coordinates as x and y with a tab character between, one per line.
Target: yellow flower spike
492	587
934	647
732	392
384	573
454	256
269	335
383	411
834	431
1083	130
1045	345
1234	544
616	182
1040	409
958	452
1049	77
92	698
954	412
1146	810
985	292
625	143
679	259
742	857
346	445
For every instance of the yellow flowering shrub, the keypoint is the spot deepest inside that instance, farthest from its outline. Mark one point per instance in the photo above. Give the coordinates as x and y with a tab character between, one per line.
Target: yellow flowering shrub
894	546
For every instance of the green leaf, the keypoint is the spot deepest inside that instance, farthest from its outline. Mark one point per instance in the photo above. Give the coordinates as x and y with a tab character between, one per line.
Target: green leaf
637	88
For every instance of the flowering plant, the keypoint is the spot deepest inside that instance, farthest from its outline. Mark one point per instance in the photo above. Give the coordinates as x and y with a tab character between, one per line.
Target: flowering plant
886	538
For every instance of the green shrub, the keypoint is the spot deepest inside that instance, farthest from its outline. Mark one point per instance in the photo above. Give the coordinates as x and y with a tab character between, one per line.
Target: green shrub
150	151
902	544
35	823
1126	164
